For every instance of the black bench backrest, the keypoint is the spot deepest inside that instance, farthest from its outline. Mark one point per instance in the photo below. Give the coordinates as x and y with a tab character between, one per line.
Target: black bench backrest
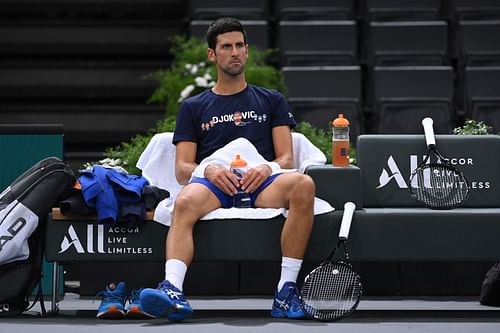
386	162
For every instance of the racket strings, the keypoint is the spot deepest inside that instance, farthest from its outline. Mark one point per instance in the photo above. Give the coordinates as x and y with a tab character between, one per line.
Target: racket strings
332	291
439	186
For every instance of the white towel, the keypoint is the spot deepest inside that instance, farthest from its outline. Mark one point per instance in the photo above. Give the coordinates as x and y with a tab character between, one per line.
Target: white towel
160	171
305	153
157	163
226	154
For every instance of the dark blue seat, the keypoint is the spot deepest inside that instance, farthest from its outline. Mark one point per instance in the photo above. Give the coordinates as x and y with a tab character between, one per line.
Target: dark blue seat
328	43
240	9
407	43
404	95
478	43
289	10
318	94
401	10
482	95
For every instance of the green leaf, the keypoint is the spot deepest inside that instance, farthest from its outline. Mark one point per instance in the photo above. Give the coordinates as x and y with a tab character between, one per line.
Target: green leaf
473	127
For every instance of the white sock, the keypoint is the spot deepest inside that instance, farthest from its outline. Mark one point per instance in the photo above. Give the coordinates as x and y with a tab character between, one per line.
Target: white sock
290	268
175	271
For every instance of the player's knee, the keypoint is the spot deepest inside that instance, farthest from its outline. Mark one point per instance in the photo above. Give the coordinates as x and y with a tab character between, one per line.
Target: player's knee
304	187
184	203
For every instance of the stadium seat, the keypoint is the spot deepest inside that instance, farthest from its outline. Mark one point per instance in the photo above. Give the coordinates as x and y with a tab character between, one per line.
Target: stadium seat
479	43
135	43
318	94
240	9
257	31
82	64
401	10
289	10
407	43
457	10
95	105
328	43
404	95
482	95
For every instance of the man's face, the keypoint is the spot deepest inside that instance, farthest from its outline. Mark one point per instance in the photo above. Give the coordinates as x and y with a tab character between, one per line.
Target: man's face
230	54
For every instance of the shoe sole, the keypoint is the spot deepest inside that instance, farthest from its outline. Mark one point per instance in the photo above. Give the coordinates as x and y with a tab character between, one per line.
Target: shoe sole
277	313
136	313
113	312
160	307
179	314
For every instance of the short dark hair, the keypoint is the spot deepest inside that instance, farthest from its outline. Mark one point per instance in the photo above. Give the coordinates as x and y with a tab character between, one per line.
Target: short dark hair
221	26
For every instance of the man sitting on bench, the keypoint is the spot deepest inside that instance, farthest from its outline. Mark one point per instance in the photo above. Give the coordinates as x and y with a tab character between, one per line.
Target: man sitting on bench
197	136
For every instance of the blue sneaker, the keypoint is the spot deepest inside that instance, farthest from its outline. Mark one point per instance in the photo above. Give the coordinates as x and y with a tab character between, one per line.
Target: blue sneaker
113	301
166	301
134	310
287	303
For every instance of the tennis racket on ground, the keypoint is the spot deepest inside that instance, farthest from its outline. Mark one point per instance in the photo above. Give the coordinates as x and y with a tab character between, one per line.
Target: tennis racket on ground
332	290
437	185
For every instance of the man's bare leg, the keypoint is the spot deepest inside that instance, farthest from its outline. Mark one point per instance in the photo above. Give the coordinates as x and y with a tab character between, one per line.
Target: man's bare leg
193	202
296	192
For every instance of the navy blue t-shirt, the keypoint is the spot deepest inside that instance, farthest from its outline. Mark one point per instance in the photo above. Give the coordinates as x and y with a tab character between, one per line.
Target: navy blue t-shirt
213	120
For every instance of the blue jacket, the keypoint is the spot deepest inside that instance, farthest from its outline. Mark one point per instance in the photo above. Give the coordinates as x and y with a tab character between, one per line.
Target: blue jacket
105	189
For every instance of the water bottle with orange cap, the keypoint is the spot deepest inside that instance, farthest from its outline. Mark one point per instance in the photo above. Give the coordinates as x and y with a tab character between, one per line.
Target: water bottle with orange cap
242	198
340	141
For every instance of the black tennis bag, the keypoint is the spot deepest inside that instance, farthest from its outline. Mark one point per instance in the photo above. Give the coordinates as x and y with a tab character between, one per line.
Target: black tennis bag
24	207
490	288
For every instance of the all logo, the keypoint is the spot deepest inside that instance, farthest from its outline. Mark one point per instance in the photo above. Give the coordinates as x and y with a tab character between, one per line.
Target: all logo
71	239
392	173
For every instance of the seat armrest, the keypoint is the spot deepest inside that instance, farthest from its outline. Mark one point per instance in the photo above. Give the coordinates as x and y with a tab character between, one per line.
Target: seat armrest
337	184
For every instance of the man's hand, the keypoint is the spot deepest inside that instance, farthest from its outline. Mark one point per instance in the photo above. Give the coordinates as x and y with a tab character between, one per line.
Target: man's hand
229	183
255	177
222	178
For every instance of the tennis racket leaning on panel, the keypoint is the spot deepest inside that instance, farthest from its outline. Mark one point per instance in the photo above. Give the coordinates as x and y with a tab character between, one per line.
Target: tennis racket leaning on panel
437	185
332	290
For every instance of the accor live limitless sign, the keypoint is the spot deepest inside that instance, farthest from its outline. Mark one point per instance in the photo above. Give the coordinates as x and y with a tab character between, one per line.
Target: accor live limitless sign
392	172
102	239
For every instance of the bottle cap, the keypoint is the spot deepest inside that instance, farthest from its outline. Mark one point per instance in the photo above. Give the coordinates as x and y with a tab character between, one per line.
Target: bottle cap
238	162
340	121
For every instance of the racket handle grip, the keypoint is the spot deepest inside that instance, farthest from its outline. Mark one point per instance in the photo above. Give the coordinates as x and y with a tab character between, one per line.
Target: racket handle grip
428	125
345	226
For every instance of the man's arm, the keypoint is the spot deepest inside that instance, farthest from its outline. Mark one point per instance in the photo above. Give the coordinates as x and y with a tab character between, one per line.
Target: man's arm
283	146
185	157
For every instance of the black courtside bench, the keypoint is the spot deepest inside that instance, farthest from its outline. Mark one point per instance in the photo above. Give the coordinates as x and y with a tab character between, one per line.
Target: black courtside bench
79	239
388	226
